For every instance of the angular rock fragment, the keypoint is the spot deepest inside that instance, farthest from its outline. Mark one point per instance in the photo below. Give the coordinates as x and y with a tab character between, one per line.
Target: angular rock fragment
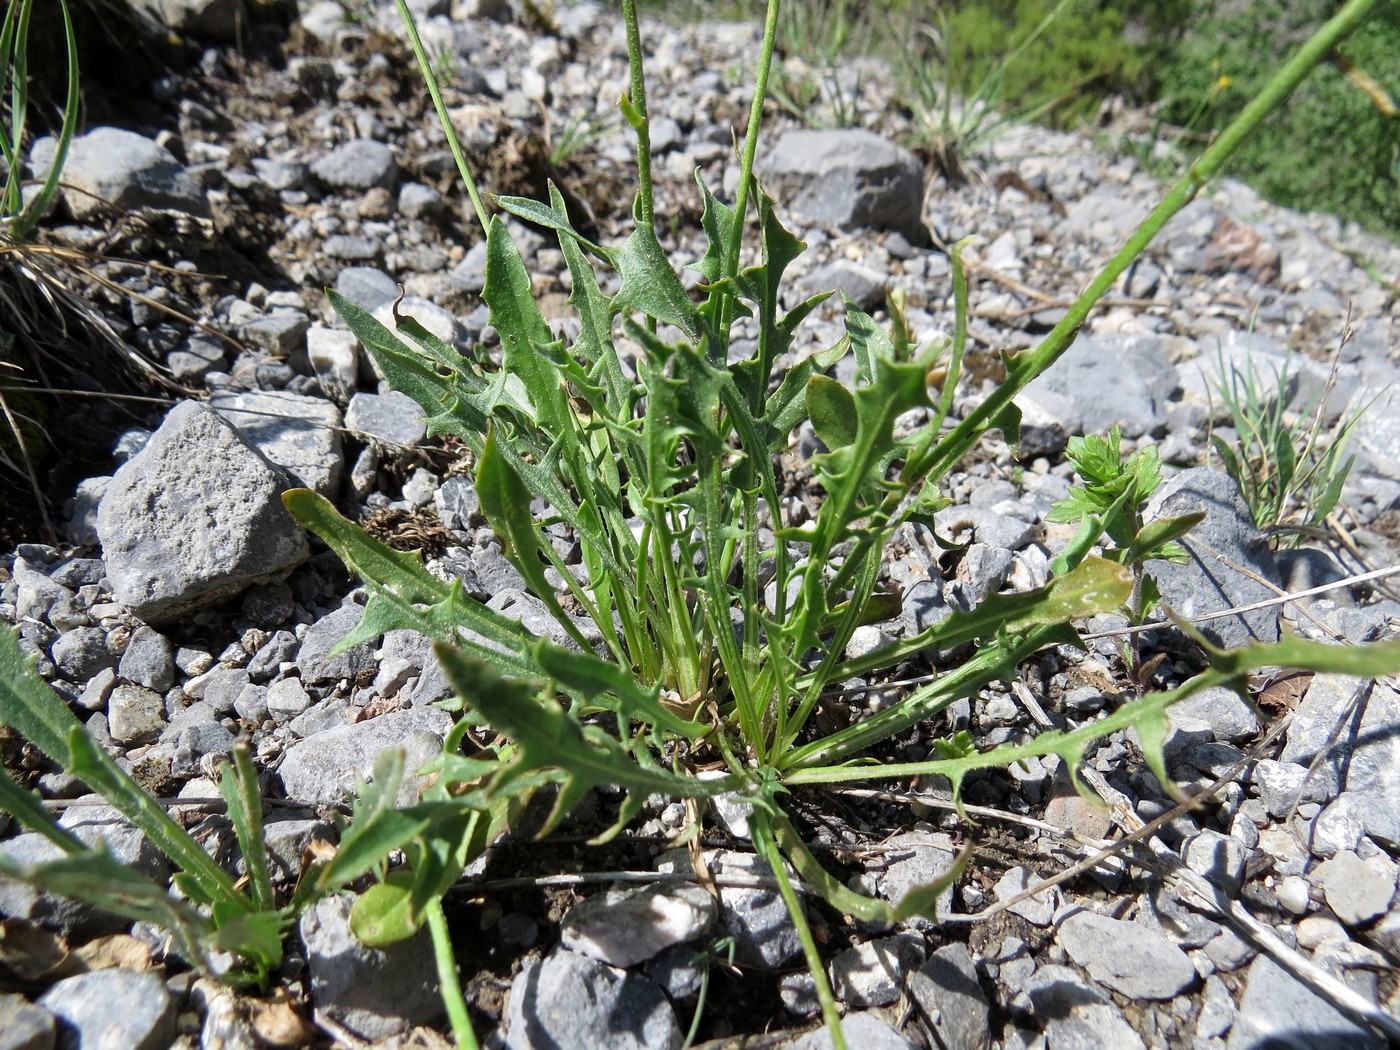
195	518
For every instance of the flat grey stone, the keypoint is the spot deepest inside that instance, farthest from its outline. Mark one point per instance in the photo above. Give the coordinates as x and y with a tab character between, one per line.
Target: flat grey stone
135	715
321	769
867	1030
300	434
374	992
1229	716
1364	760
24	1026
72	918
1079	1016
874	973
1210	581
386	419
980	525
278	334
864	286
1218	858
1038	910
1278	1012
1105	379
358	165
81	653
569	1001
144	1017
123	169
625	926
221	687
314	658
848	178
755	917
417	201
1357	890
368	287
917	859
946	990
149	660
1126	956
194	518
286	699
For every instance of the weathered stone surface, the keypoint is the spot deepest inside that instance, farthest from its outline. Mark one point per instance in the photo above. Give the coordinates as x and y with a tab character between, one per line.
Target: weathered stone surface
848	178
110	166
194	518
1104	380
322	769
300	434
1227	553
374	992
569	1001
1277	1011
625	926
1126	956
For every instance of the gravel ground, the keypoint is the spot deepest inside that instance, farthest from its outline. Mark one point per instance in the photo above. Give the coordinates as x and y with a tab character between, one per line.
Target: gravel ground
177	607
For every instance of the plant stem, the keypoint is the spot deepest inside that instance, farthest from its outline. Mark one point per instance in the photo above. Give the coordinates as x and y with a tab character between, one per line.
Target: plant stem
638	118
767	846
448	984
453	143
760	93
1027	365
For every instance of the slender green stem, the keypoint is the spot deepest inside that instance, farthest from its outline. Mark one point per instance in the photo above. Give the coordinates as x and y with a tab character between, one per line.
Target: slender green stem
449	986
760	93
425	65
767	847
1026	366
637	116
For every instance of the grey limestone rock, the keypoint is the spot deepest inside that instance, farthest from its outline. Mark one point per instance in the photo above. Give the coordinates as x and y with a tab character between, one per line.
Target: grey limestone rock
1106	379
626	926
569	1001
874	973
366	286
850	179
862	285
24	1026
1227	552
867	1030
946	990
81	653
314	658
1357	890
1279	1012
196	517
121	168
358	165
84	1006
321	769
386	419
1078	1015
374	992
1125	956
300	434
1365	757
755	917
918	859
149	660
135	715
